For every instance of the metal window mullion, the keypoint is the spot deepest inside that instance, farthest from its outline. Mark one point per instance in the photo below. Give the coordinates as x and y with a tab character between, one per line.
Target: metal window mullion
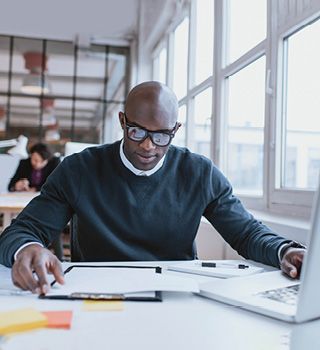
245	60
272	98
43	67
9	85
74	89
105	92
219	127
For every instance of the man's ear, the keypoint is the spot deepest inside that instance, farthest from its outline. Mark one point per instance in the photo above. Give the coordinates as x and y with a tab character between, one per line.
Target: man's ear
121	120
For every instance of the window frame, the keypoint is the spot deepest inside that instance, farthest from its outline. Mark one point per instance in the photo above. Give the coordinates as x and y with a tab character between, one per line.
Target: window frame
283	20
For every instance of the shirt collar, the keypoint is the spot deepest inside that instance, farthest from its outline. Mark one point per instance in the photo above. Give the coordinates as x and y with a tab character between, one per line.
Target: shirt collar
136	171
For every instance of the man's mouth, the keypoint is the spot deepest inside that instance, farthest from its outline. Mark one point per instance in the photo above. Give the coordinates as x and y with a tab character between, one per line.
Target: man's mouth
146	158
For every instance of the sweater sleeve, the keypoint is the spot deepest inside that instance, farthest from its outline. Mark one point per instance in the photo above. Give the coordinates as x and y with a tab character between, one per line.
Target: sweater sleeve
249	237
46	215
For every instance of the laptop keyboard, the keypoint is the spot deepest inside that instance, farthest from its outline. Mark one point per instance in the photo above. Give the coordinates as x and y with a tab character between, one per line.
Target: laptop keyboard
286	295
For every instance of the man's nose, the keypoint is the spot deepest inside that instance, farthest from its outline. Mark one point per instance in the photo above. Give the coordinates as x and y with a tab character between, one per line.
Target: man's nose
147	144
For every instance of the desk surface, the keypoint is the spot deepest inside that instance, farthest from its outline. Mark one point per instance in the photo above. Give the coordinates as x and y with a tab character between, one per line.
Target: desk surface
181	321
16	200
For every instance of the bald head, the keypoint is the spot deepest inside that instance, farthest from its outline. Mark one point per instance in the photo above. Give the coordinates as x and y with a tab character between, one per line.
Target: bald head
153	102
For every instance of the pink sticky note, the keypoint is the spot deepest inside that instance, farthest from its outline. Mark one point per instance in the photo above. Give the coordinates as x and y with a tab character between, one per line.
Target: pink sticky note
58	319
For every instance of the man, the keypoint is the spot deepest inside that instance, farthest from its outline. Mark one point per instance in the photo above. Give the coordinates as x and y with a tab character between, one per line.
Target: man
138	199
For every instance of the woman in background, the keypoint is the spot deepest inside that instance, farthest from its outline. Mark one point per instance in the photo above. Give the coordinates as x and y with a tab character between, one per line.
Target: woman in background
32	173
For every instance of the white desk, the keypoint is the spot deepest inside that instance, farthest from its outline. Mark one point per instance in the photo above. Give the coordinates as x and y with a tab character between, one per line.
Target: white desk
181	321
12	203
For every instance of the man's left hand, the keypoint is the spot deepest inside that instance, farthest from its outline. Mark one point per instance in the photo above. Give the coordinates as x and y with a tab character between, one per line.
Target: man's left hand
291	262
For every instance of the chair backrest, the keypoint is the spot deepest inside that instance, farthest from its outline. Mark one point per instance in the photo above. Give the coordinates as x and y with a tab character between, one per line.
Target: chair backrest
75	252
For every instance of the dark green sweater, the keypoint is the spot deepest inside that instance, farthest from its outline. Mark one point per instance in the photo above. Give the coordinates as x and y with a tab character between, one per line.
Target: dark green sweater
122	216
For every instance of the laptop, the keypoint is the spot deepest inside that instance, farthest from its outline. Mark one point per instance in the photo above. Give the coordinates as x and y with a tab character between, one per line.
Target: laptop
274	294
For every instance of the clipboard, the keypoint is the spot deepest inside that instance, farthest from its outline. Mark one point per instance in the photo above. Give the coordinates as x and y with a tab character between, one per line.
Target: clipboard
136	296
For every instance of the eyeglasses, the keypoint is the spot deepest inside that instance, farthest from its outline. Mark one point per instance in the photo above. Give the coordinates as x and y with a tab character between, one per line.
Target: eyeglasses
160	138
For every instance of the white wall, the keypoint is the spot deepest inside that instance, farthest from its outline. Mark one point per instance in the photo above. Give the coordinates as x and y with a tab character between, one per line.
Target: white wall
210	245
8	166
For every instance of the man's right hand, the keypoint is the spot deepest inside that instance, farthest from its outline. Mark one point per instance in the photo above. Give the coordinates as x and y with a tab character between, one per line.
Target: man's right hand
31	267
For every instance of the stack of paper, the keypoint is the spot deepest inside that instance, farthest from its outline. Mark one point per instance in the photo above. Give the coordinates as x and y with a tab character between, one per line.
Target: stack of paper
86	281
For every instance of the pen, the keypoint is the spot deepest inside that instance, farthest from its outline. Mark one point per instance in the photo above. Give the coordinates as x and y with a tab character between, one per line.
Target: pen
224	265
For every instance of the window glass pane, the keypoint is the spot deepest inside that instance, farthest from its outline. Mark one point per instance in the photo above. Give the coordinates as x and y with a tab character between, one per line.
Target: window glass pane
180	137
57	117
245	128
248	26
60	67
180	62
160	66
4	59
91	72
26	63
204	40
24	117
3	118
202	122
4	69
302	132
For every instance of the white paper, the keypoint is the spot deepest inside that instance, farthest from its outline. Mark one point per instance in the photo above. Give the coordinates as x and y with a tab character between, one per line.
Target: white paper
120	281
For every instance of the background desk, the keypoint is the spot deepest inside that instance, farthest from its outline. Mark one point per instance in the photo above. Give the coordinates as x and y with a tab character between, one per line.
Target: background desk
182	321
12	203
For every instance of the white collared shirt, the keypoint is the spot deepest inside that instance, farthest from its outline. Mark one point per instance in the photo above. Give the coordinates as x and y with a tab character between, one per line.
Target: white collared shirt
136	171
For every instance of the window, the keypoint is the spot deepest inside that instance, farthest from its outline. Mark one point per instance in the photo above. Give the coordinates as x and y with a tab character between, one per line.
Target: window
248	25
246	129
247	75
204	40
202	122
180	137
180	62
160	66
302	109
81	88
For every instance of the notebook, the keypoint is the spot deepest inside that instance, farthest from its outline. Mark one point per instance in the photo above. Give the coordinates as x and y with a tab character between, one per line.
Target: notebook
274	294
110	282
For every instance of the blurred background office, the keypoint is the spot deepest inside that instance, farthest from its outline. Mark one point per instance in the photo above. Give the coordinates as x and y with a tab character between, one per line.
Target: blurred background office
246	74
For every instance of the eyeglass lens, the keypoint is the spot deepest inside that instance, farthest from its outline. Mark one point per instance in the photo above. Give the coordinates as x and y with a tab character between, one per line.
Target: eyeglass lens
138	134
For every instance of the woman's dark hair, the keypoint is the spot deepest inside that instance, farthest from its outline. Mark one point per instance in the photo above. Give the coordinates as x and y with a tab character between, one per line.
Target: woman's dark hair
41	149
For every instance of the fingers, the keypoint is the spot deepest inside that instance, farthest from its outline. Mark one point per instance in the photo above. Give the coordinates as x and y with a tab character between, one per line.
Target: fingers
56	269
22	276
30	270
40	271
289	269
22	185
292	262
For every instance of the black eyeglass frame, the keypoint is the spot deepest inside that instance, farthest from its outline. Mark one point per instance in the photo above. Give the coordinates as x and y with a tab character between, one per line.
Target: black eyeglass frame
149	133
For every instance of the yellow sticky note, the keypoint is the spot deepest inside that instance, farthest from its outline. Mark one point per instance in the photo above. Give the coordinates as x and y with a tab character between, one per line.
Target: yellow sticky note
21	320
103	305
